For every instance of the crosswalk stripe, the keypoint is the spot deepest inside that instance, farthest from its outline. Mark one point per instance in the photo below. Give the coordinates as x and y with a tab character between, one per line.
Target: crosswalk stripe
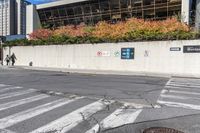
22	101
183	85
177	104
179	97
182	88
6	131
170	80
173	97
184	92
118	118
30	113
164	91
13	94
3	85
185	80
10	88
72	119
181	93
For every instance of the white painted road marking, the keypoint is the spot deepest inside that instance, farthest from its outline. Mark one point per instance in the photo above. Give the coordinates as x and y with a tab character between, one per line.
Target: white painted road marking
182	92
64	124
30	113
3	85
22	101
188	83
9	88
118	118
182	89
178	104
169	82
69	121
6	131
179	97
13	94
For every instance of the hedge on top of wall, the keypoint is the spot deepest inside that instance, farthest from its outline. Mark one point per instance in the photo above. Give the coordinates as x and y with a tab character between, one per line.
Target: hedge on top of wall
127	31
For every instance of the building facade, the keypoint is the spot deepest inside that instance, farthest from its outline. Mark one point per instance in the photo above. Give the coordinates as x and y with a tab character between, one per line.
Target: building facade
32	19
7	18
90	12
197	20
12	17
20	17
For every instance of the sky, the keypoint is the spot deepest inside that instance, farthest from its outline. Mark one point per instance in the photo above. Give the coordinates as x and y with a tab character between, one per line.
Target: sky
40	1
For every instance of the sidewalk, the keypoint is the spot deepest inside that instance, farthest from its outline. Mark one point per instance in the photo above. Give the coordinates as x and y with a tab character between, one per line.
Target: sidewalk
103	72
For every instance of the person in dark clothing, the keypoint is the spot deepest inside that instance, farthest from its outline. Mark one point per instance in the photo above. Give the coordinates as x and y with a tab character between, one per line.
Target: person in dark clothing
13	58
7	59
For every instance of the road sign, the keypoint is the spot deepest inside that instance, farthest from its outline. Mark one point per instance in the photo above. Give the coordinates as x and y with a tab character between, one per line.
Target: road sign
191	49
99	53
127	53
175	49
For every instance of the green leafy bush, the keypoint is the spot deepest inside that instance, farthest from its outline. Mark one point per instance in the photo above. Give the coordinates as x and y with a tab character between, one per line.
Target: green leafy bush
131	30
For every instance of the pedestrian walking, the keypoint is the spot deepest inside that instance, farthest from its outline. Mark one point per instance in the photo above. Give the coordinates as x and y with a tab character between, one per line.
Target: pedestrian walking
7	59
13	58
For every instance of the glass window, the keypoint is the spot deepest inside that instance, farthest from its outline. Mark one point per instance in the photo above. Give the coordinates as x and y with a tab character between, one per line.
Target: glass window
161	1
96	19
124	3
66	22
136	3
70	11
86	9
48	14
114	4
62	12
42	15
79	20
106	17
95	8
148	2
104	6
55	13
72	21
77	10
88	20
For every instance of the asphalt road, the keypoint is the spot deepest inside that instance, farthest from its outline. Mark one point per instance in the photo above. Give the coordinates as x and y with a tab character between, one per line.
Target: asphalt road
129	88
56	102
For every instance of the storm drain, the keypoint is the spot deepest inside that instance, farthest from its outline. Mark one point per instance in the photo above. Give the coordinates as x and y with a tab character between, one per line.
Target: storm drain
161	130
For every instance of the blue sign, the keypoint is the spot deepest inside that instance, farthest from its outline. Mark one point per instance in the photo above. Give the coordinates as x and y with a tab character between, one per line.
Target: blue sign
127	53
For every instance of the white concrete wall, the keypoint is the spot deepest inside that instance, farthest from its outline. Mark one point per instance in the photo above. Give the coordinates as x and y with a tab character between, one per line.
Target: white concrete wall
154	57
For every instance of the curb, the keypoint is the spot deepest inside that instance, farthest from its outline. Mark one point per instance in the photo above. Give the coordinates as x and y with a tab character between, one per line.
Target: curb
106	72
95	72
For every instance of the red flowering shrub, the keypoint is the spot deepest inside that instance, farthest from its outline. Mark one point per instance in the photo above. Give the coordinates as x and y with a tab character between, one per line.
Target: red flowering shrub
131	30
71	30
41	34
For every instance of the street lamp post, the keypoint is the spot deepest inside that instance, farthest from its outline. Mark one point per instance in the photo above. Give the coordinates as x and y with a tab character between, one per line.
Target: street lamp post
1	43
2	40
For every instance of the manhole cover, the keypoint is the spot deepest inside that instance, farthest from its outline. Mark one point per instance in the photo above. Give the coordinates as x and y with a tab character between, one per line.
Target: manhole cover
161	130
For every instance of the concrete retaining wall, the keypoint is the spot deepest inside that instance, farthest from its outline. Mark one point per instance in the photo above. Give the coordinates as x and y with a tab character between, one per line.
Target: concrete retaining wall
154	57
